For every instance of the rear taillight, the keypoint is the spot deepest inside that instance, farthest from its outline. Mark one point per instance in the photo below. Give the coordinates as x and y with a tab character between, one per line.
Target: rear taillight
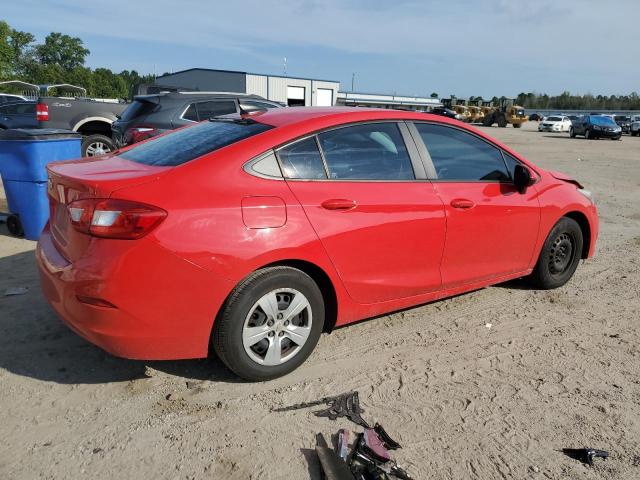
42	112
113	218
138	134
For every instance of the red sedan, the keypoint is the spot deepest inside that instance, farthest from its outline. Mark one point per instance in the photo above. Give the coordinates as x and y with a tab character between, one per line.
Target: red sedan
253	235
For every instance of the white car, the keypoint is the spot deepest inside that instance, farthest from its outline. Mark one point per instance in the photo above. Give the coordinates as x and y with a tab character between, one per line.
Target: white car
555	123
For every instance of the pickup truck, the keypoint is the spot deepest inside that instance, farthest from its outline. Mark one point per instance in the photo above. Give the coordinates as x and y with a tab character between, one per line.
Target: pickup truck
92	118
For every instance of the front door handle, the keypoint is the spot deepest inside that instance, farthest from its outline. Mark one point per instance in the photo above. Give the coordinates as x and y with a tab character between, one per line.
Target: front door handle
338	204
462	203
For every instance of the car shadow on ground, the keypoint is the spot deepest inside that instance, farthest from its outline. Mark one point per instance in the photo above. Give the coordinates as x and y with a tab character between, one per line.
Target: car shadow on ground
35	343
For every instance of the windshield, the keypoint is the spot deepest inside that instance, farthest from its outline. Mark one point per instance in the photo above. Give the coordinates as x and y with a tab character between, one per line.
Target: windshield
189	143
602	121
554	119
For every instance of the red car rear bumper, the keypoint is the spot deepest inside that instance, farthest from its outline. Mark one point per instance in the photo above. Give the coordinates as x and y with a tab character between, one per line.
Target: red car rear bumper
154	315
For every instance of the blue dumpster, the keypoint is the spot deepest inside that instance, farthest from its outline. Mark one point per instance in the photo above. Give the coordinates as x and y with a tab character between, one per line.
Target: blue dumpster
24	154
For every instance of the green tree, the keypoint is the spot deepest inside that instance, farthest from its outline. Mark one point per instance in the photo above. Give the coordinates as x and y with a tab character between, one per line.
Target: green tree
6	52
435	95
63	50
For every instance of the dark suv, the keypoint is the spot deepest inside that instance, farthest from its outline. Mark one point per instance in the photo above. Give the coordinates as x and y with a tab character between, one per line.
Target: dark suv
596	126
150	115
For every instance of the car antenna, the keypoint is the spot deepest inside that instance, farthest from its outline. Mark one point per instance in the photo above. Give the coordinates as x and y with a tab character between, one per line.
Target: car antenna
242	110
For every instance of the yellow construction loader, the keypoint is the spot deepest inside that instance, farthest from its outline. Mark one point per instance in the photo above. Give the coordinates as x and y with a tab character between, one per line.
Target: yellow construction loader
504	114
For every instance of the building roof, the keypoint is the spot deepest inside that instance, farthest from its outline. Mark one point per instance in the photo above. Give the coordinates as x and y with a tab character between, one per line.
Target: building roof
246	73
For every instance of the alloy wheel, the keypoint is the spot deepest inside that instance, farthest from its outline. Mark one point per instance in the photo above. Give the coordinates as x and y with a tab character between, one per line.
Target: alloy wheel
97	148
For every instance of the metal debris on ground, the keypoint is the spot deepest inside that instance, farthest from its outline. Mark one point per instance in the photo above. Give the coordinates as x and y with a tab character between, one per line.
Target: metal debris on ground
585	455
345	405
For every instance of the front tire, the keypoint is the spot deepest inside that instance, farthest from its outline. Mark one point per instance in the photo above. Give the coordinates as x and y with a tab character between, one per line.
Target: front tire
587	134
572	133
270	323
560	255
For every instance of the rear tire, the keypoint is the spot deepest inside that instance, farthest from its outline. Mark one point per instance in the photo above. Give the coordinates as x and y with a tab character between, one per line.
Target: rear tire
560	255
95	145
502	121
488	120
517	125
255	336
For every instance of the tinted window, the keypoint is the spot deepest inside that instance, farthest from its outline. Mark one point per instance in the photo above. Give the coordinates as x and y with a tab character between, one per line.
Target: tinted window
511	163
191	113
184	145
302	160
458	155
19	109
208	110
366	152
137	109
252	106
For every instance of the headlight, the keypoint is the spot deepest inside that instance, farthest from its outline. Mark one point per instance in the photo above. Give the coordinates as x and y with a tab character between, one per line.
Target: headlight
596	127
587	193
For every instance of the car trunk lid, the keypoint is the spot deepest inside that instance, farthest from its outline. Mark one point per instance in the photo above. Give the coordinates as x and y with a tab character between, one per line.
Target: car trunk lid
99	177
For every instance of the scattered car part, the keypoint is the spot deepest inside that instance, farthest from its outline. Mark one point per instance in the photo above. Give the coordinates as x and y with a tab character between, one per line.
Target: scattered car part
585	455
332	466
345	405
342	448
389	442
10	292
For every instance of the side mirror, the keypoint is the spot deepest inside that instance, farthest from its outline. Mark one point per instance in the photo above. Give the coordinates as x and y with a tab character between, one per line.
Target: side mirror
522	178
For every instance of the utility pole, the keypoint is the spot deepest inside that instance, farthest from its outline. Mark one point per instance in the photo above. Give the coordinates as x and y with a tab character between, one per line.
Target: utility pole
353	81
285	66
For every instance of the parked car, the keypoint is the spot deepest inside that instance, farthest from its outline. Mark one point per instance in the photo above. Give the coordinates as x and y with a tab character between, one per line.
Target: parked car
445	112
596	126
150	115
623	121
254	234
634	127
535	117
21	114
555	123
11	98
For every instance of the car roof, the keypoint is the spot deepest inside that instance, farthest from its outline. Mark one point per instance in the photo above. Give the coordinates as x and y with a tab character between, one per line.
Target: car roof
189	96
280	117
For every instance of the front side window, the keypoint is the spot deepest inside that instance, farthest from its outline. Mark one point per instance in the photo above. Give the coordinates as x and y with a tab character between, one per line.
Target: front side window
458	155
373	151
302	160
189	143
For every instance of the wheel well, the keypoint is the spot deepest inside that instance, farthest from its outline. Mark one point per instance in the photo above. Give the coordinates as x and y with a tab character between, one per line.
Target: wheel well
324	283
96	127
581	219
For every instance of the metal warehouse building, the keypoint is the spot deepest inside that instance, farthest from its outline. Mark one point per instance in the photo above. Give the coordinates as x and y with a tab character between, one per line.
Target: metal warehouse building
288	90
381	100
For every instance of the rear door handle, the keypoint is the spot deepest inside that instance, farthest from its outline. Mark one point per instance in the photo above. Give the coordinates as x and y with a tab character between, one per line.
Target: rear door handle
338	204
462	203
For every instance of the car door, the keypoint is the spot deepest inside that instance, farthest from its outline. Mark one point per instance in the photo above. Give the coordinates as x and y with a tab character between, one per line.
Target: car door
365	192
491	228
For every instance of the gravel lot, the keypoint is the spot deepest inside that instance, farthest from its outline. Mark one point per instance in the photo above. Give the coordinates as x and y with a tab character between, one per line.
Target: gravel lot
556	369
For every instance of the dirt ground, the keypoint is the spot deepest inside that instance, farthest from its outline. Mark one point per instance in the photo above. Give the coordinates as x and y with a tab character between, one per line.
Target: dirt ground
556	369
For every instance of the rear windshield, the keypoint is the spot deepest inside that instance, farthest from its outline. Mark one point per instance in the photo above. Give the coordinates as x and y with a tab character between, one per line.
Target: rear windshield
554	119
137	109
188	143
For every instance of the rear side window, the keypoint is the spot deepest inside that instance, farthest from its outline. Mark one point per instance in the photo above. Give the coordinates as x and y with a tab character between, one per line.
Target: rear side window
458	155
137	109
189	143
208	110
191	113
302	160
373	151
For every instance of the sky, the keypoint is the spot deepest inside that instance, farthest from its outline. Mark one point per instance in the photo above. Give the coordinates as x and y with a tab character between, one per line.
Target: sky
406	47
